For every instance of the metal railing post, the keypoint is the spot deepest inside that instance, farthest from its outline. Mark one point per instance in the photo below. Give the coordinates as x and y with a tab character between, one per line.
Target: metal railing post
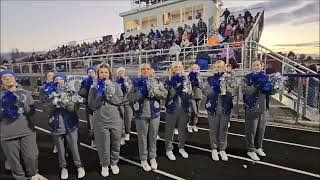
41	68
70	66
139	60
305	103
250	52
242	56
54	66
227	56
300	91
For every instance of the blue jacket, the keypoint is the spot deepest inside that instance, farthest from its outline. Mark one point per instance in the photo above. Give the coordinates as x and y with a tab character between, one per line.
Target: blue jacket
70	119
175	84
212	100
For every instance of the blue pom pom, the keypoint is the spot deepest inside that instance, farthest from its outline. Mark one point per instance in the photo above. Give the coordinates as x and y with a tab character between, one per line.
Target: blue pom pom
101	87
87	82
141	85
214	82
120	81
9	104
193	77
49	88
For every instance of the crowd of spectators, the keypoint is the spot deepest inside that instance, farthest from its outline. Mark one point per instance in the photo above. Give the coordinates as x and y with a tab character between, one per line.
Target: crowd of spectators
232	30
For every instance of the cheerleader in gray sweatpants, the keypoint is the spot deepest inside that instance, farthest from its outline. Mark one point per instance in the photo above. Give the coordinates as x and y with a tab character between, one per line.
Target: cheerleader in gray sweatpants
84	93
194	77
127	114
219	92
17	133
61	108
105	99
43	98
256	88
145	96
178	108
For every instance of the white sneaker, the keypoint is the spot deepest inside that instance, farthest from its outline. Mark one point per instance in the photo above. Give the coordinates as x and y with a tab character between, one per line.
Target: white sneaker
105	171
158	137
224	156
153	163
183	153
93	144
176	131
122	142
115	169
229	125
214	155
127	137
145	166
38	177
64	173
260	152
7	165
55	150
189	128
81	172
195	128
253	156
170	155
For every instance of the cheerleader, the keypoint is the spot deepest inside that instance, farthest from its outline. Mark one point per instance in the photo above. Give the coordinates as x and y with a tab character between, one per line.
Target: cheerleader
125	84
105	99
43	98
2	157
177	107
145	96
219	93
61	108
194	77
17	132
256	87
84	92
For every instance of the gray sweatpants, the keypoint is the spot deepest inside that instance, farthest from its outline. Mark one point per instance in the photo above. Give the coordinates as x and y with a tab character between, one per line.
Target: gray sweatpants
218	124
195	104
72	143
108	144
25	149
128	115
171	118
255	125
147	137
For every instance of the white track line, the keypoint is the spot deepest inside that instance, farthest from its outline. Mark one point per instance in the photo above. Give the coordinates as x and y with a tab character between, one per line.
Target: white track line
269	140
250	160
242	121
241	135
240	157
122	158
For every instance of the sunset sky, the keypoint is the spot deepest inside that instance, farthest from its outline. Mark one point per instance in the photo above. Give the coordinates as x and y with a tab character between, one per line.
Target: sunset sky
41	25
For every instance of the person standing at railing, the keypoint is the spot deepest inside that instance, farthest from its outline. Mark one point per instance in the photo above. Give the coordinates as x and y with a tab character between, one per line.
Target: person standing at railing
84	93
145	97
256	88
62	106
105	99
195	79
177	104
219	90
226	14
202	29
127	114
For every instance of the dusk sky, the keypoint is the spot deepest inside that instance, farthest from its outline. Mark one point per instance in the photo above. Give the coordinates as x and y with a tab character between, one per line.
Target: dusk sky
42	25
